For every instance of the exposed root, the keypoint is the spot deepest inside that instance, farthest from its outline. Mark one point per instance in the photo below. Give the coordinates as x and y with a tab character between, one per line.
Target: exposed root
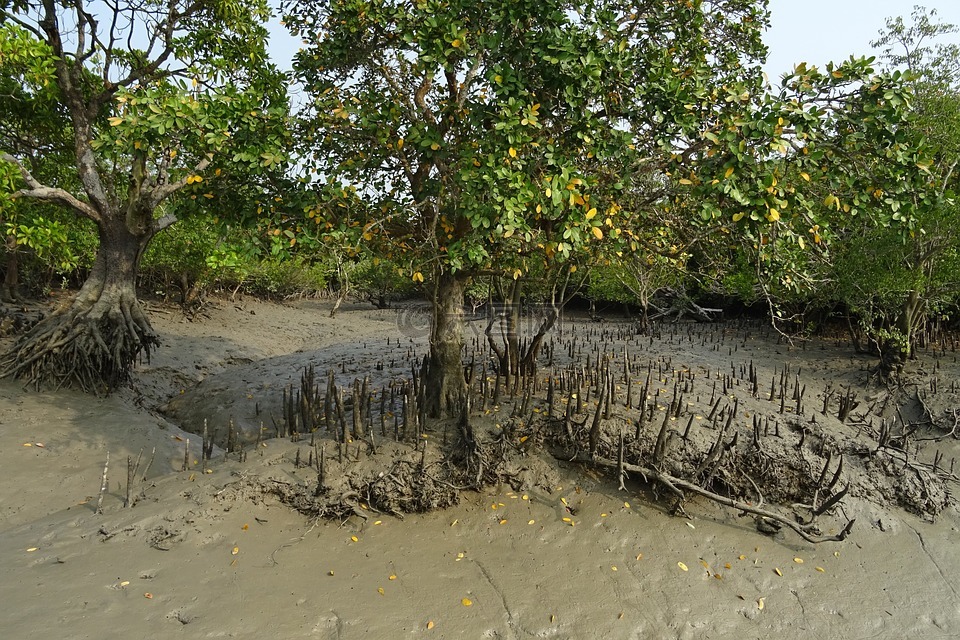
677	486
91	345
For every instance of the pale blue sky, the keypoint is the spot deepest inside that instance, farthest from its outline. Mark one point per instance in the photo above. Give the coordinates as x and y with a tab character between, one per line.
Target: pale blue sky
813	31
819	31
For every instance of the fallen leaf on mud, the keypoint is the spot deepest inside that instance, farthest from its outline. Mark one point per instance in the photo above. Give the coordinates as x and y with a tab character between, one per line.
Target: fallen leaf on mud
821	569
355	538
566	519
245	527
639	556
531	521
742	557
760	604
552	617
32	549
504	521
626	505
704	564
148	596
524	497
27	444
603	515
778	572
613	568
235	551
378	522
430	624
393	576
798	560
620	617
682	566
178	438
330	573
39	444
380	590
691	526
564	501
727	566
124	583
467	602
454	523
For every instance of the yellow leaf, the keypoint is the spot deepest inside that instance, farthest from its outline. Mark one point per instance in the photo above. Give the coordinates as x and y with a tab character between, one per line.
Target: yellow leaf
355	538
467	602
728	172
208	195
598	233
773	215
235	551
456	44
798	560
685	181
430	624
803	245
517	273
418	277
435	146
737	217
682	566
400	143
591	213
760	604
380	590
392	577
114	121
548	192
573	268
778	572
513	152
805	176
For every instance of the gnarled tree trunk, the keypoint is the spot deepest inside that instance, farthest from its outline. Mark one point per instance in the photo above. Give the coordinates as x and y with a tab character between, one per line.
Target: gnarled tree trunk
94	341
445	385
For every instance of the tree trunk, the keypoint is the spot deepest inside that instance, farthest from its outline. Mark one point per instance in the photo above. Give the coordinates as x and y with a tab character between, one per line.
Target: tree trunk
8	290
445	385
93	342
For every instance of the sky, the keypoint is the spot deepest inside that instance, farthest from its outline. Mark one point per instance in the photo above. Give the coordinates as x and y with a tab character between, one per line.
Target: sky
820	31
812	31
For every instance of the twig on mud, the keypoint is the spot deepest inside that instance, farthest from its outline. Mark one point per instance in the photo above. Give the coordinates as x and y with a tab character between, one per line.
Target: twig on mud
678	485
294	541
103	486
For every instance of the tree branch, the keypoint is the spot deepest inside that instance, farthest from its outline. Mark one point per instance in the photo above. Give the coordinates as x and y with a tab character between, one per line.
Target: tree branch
38	191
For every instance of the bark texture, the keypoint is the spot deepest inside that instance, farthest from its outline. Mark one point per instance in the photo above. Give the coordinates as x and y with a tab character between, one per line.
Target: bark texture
444	383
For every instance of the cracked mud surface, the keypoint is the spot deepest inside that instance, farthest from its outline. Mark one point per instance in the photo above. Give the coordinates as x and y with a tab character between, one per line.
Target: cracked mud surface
219	559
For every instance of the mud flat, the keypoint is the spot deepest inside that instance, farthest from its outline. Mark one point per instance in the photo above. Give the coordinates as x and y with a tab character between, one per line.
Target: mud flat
555	550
